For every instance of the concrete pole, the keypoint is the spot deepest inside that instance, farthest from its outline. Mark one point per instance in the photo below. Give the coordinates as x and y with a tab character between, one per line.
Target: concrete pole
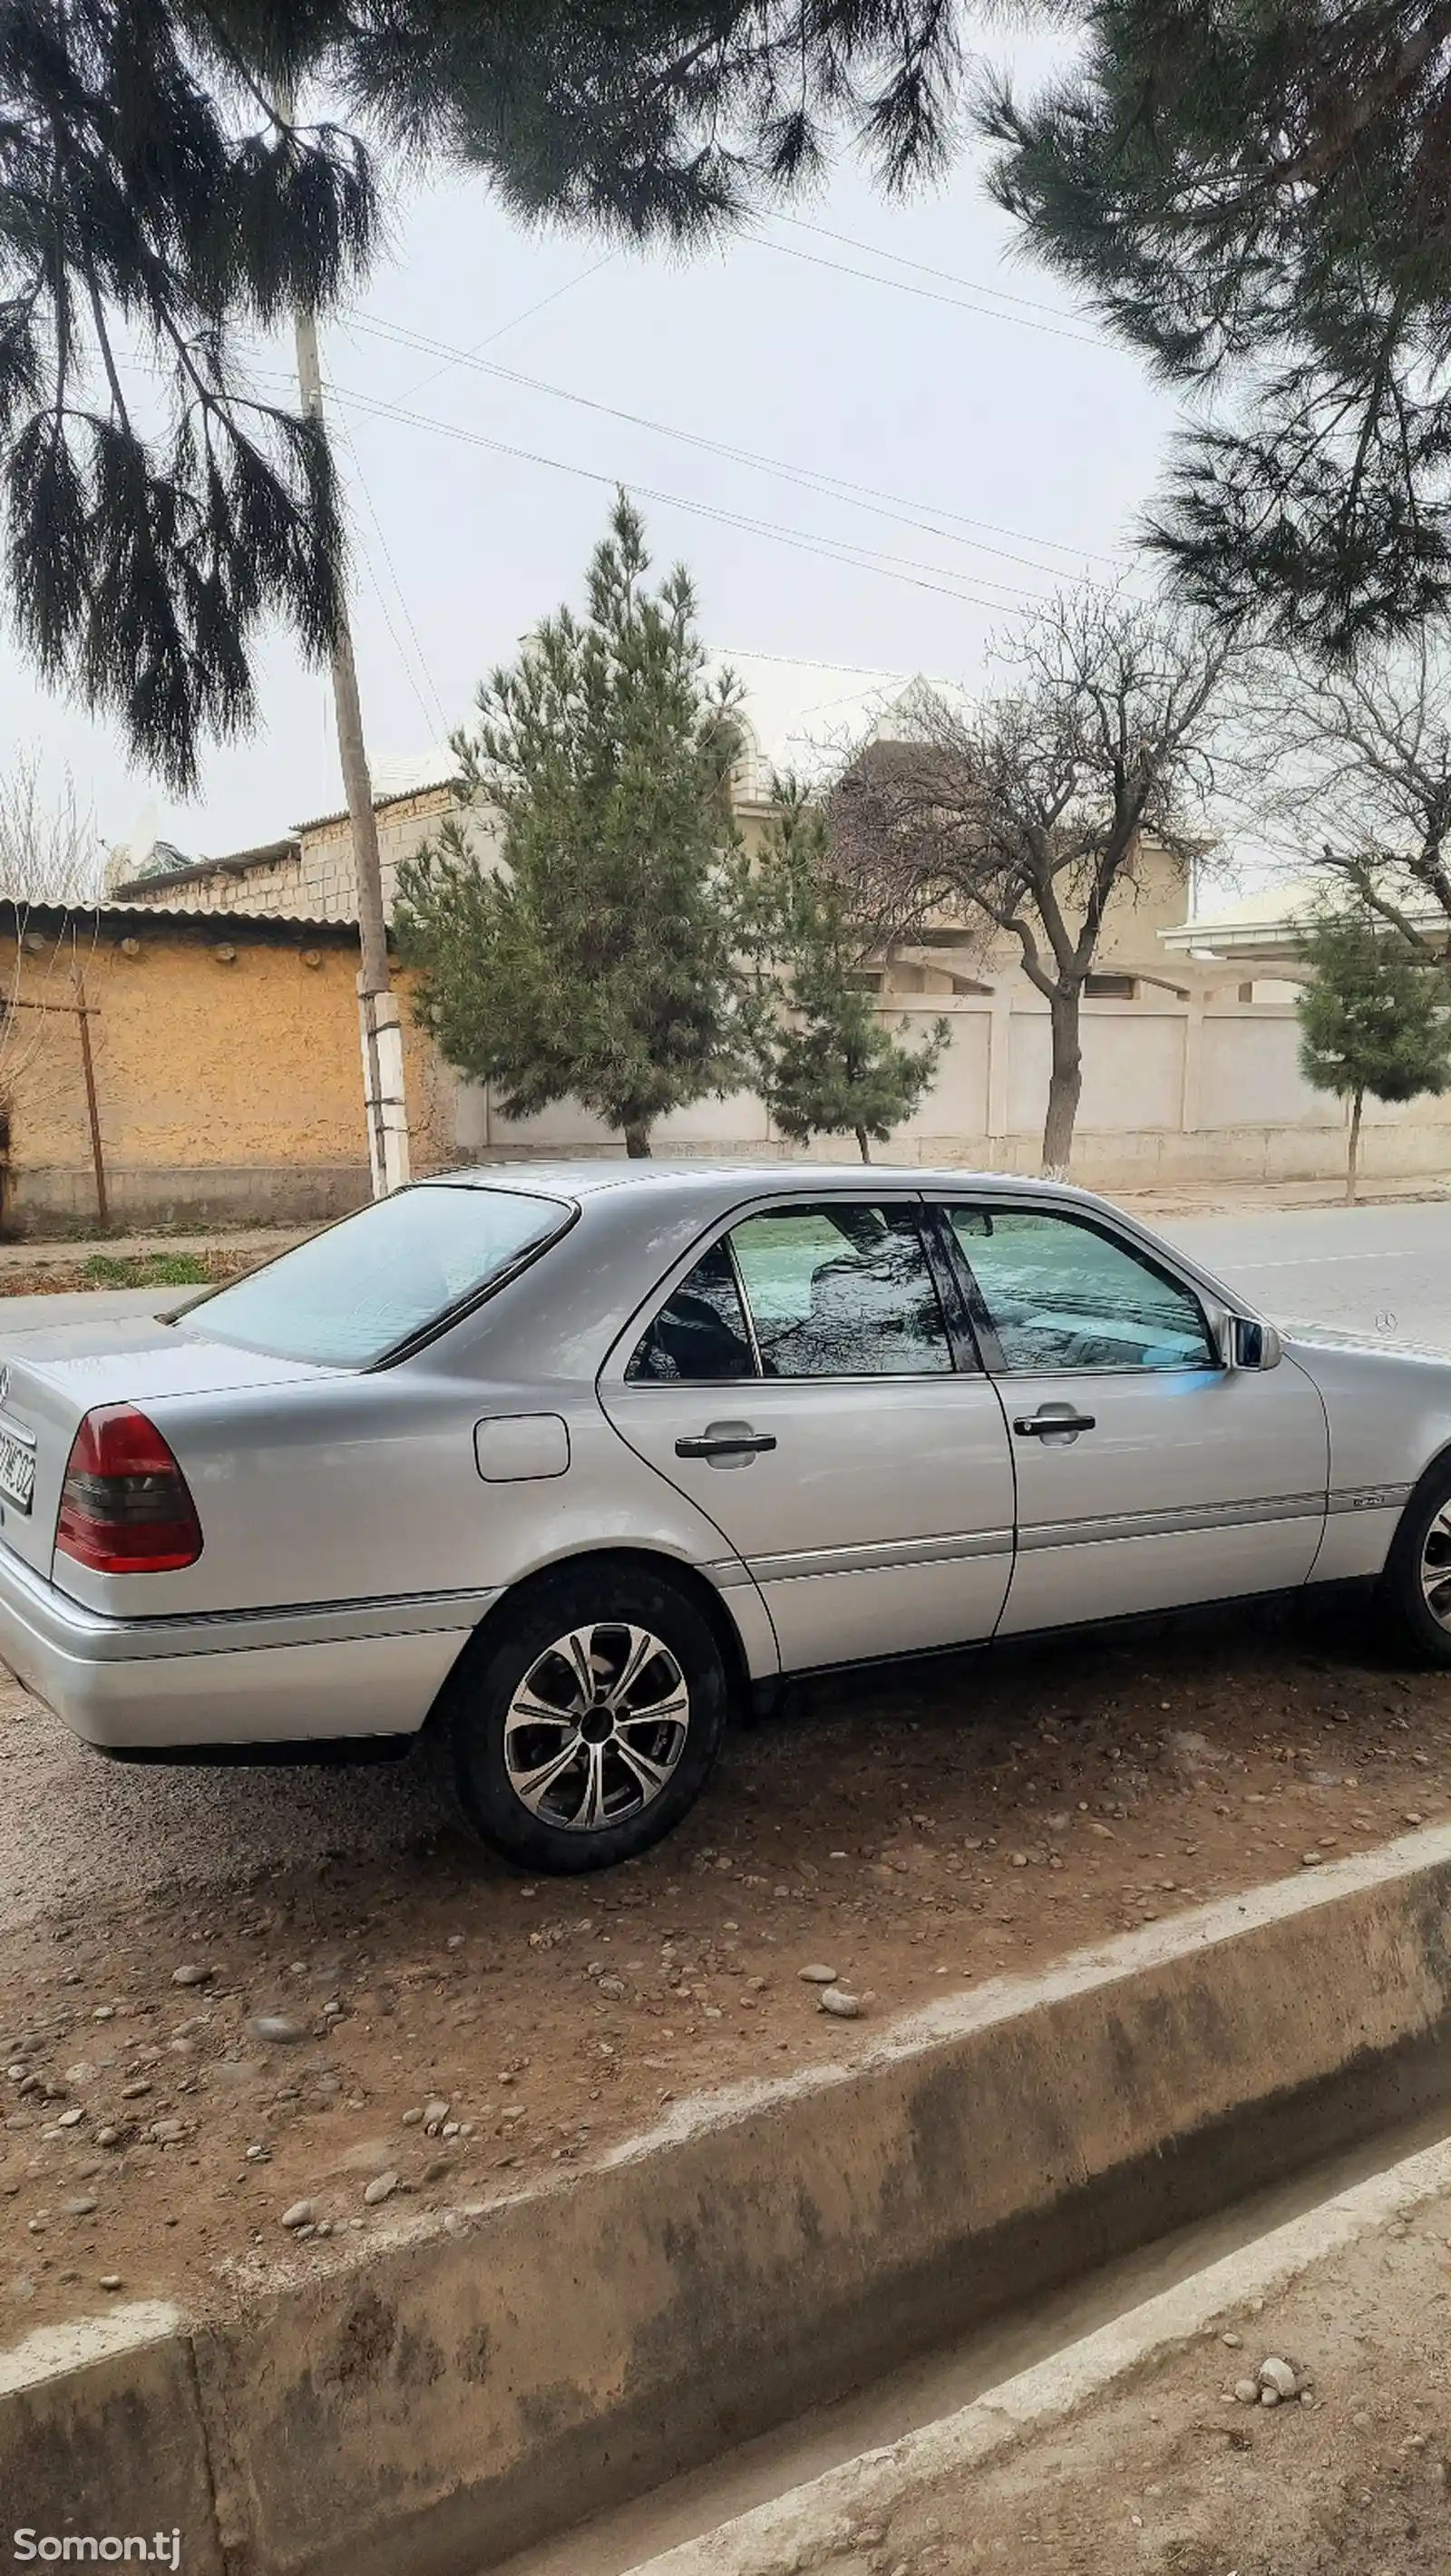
382	1037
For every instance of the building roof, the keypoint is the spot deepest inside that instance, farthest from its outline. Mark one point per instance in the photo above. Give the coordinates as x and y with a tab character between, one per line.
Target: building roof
808	718
1271	921
53	920
394	782
236	863
410	773
801	717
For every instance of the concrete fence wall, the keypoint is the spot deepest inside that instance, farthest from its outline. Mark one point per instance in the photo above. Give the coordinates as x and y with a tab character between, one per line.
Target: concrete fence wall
1175	1088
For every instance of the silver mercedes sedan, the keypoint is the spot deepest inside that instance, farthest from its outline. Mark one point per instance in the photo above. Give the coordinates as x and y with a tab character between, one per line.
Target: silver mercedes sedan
569	1460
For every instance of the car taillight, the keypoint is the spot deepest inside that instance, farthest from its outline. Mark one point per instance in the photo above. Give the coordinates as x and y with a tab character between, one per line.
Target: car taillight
124	1506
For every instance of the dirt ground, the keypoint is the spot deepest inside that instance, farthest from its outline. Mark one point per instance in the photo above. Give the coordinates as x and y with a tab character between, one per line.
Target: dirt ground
918	1832
158	1269
1168	2476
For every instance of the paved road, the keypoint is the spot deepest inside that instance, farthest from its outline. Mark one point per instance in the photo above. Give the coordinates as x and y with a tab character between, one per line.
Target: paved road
1380	1270
25	1315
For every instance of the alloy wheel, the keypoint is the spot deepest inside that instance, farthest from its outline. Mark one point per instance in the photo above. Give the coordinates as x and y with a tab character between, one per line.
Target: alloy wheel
1436	1567
596	1728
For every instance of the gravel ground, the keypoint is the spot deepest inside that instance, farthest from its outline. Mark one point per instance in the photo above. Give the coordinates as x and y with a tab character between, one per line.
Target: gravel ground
75	1827
349	1959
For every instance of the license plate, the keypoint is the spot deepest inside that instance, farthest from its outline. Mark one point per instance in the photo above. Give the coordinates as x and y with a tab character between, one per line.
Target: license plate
17	1471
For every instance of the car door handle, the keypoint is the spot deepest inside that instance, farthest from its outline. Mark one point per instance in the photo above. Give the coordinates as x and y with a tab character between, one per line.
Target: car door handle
727	1440
1043	1426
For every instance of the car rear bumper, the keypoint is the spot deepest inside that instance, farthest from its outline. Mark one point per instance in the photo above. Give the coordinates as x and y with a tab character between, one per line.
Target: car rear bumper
287	1676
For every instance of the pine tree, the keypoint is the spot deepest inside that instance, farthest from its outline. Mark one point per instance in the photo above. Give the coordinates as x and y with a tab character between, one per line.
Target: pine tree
1375	1019
1256	197
824	1063
600	967
155	190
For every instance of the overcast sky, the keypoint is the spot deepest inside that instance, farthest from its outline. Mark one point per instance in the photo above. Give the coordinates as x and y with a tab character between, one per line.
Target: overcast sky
1010	444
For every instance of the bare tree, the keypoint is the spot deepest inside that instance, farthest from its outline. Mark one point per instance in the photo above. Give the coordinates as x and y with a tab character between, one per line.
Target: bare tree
1363	781
1032	811
50	850
51	864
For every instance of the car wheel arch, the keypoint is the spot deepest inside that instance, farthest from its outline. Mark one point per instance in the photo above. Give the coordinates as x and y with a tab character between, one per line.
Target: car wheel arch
1408	1619
706	1596
1436	1468
1439	1465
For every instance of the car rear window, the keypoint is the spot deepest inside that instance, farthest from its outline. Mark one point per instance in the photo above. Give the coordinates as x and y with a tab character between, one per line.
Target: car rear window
350	1296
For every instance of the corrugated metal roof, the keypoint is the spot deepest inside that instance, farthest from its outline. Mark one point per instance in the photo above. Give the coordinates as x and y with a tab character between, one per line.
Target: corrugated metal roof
111	915
236	863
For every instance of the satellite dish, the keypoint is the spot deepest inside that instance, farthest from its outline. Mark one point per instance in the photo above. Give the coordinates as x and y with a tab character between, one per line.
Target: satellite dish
165	860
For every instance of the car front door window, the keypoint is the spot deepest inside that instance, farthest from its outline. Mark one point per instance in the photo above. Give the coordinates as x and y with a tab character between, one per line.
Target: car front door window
1064	1297
1148	1474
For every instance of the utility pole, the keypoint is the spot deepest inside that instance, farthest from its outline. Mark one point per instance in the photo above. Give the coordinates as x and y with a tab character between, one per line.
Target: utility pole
382	1037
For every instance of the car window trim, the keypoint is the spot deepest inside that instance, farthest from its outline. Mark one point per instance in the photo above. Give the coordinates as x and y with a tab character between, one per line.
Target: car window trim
982	1338
752	1336
1090	1223
640	1333
613	1368
969	1325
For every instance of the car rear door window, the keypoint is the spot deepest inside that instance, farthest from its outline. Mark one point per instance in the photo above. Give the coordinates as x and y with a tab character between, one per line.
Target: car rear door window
700	1332
841	1289
1061	1295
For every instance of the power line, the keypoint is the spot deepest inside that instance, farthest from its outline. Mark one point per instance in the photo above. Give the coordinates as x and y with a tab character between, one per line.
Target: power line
828	549
436	712
886	505
948	584
810	662
457	356
947	276
934	295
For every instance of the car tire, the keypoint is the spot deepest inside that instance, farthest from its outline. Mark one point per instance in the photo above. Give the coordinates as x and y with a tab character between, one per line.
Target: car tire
587	1717
1412	1588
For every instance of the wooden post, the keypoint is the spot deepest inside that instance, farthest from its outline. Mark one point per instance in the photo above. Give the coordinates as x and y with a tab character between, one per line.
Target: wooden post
384	1093
385	1097
83	1018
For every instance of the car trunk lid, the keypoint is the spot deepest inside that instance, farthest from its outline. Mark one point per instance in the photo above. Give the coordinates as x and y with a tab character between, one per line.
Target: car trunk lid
50	1380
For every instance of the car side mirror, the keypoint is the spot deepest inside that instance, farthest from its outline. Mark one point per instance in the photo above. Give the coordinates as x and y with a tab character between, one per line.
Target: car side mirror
1256	1345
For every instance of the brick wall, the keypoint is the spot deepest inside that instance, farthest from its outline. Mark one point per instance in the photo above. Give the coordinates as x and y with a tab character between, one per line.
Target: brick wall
316	879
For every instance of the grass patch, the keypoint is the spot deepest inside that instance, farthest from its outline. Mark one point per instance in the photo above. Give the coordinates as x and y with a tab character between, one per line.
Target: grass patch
126	1270
145	1270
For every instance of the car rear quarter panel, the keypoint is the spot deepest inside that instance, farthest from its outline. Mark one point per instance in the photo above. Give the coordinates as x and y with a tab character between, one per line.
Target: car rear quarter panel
368	1488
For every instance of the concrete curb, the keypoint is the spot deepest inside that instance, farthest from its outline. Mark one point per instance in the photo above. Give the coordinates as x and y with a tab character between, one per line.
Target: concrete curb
816	2522
475	2382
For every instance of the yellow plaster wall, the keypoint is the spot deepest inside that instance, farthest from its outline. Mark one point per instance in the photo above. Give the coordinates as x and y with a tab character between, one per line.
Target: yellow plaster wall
203	1065
198	1060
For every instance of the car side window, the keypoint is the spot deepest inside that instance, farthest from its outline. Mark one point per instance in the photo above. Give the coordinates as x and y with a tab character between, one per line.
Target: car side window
841	1290
1062	1296
700	1332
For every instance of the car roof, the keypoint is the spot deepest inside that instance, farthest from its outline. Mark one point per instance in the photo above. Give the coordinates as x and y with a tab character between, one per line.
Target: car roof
690	1175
